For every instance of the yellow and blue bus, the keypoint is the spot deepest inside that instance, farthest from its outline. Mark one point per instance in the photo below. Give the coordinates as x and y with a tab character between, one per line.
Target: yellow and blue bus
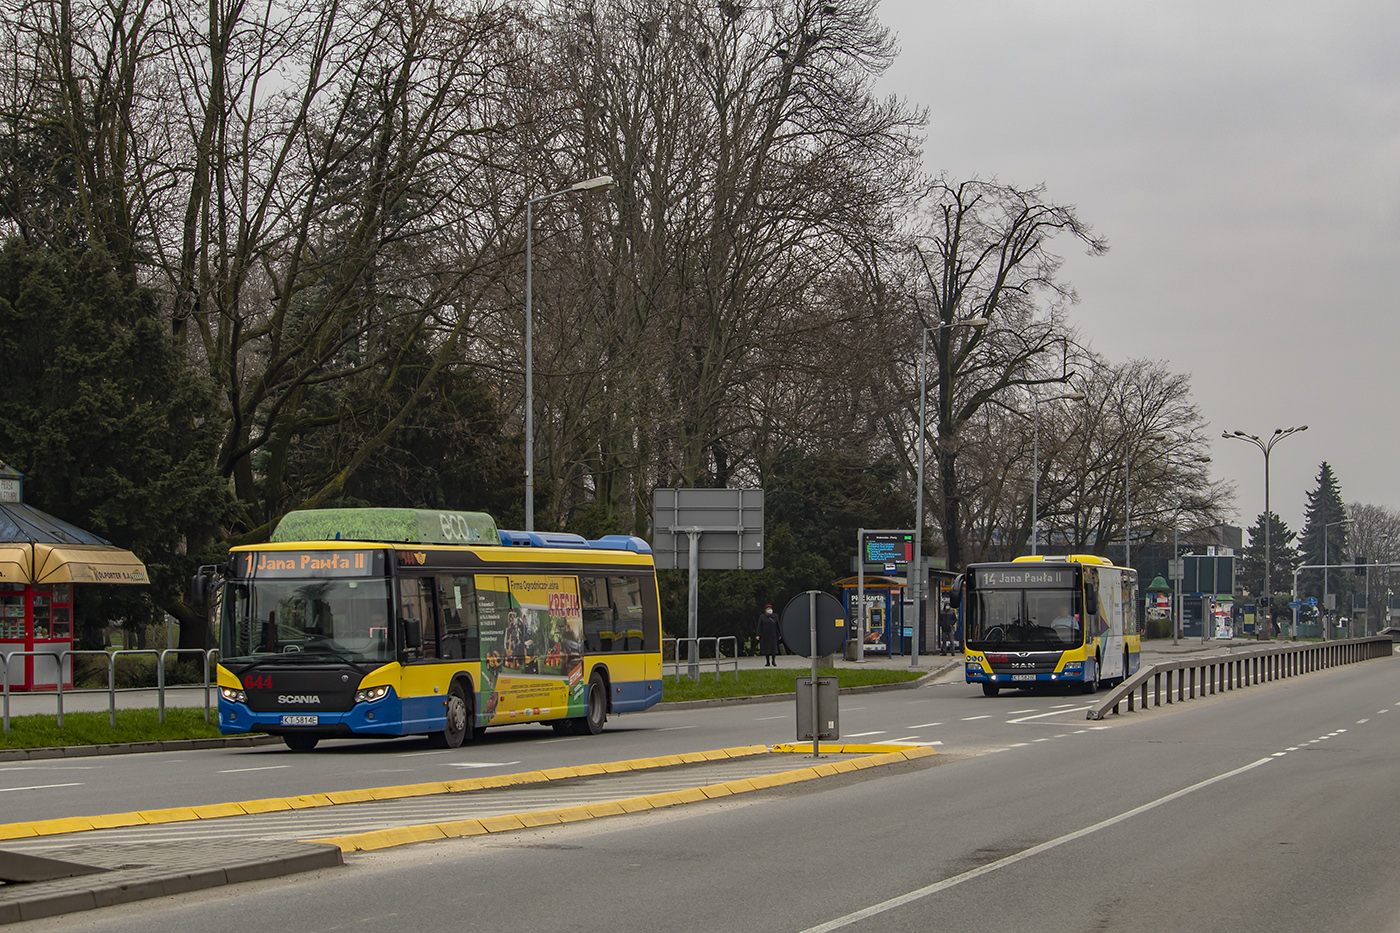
393	622
1044	621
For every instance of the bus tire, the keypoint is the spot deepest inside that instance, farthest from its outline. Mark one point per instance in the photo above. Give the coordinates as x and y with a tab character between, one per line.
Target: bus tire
459	719
299	742
1092	686
596	709
990	690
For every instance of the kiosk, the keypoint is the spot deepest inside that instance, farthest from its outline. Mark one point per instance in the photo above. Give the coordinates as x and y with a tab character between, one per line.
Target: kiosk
41	557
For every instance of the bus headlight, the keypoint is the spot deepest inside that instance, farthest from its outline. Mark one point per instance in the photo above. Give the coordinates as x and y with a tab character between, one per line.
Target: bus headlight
232	695
370	694
1074	667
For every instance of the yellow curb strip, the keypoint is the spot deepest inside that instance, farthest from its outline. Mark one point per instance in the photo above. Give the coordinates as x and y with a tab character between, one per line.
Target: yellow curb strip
68	825
378	839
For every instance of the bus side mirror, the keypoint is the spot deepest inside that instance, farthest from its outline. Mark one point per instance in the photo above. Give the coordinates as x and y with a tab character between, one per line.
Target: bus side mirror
199	590
412	634
1091	601
955	592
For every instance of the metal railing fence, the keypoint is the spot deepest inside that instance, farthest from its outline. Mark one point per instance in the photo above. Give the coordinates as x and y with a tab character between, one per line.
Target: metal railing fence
1177	681
59	693
671	662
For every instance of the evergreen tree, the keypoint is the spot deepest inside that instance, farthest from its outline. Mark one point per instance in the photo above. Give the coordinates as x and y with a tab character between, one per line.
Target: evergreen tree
1324	538
1283	559
111	430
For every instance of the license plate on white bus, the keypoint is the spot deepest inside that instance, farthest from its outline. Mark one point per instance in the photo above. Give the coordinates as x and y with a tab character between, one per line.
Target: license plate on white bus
1013	677
300	720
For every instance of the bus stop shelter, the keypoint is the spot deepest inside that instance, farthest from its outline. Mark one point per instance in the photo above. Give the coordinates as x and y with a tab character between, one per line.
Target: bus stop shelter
41	558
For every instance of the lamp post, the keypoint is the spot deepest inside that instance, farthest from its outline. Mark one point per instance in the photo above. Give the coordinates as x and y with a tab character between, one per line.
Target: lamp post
601	183
1266	447
1035	462
920	596
1128	501
1325	562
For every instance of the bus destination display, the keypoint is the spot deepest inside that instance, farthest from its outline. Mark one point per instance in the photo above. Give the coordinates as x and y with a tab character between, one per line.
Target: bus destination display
1061	577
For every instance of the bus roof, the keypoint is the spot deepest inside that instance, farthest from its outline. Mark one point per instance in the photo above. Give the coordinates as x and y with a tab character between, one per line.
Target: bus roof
1074	558
431	526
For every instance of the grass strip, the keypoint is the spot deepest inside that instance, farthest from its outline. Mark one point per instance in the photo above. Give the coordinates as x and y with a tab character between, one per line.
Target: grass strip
773	682
41	730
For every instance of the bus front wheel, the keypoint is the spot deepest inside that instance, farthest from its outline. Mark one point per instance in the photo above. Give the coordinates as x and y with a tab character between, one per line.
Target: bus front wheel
990	690
458	727
300	743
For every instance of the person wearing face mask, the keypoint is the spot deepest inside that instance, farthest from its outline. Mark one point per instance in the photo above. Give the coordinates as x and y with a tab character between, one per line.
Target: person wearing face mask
768	636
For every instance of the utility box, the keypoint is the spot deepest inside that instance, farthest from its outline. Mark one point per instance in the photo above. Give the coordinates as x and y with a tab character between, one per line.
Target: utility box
828	713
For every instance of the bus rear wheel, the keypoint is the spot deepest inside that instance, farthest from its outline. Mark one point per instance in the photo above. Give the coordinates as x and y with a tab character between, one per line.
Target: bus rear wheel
457	730
596	712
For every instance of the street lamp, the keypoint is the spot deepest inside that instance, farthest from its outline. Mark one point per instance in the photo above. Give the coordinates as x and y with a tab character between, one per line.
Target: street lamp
920	596
1035	462
1266	447
1127	499
601	183
1325	562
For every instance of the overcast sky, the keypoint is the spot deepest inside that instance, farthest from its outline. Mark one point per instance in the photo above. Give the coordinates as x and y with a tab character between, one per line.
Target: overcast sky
1243	160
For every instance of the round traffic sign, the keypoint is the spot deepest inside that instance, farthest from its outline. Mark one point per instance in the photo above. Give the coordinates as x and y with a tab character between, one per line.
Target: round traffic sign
796	624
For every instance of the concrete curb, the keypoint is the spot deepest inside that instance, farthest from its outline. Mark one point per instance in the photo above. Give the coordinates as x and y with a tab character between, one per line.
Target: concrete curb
77	824
133	748
457	829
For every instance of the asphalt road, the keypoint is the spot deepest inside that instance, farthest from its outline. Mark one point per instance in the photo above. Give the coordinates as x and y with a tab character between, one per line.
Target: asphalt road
1267	809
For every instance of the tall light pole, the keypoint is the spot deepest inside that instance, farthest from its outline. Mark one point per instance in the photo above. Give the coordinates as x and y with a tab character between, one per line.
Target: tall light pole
1325	562
601	183
1127	498
1035	461
920	596
1266	447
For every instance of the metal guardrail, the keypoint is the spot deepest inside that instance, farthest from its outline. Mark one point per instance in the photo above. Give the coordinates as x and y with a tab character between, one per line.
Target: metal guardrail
112	691
1208	675
695	658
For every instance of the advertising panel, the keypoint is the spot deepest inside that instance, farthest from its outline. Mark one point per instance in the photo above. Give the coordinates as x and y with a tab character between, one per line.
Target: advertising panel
531	648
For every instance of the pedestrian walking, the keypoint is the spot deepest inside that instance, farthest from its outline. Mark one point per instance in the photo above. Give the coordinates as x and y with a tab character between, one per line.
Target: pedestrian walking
768	636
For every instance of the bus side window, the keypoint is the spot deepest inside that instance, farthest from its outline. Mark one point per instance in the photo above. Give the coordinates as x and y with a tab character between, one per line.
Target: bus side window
416	602
599	618
461	637
625	595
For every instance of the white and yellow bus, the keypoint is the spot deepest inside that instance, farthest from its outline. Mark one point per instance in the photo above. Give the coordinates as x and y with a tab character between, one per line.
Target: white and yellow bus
380	623
1042	621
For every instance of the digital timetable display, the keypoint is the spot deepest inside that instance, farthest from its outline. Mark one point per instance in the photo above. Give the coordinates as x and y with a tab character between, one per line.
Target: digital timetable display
884	549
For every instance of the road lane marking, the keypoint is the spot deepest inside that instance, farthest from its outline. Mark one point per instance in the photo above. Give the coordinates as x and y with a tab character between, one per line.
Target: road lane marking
768	718
1057	712
676	728
924	725
1361	722
40	787
861	735
921	893
975	718
1017	712
242	770
481	764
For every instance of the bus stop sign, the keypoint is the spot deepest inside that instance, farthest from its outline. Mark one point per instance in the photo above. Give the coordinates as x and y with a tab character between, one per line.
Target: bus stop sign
796	624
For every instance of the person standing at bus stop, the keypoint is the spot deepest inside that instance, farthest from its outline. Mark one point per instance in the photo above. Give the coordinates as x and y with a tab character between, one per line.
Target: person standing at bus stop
768	636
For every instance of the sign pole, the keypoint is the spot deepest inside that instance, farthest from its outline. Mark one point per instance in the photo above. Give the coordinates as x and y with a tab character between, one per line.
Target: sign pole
812	621
860	595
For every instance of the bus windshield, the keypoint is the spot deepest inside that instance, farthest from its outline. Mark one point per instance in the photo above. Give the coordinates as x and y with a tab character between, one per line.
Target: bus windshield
322	620
1024	620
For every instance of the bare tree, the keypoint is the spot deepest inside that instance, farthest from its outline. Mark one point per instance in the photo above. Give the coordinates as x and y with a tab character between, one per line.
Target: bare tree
984	252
